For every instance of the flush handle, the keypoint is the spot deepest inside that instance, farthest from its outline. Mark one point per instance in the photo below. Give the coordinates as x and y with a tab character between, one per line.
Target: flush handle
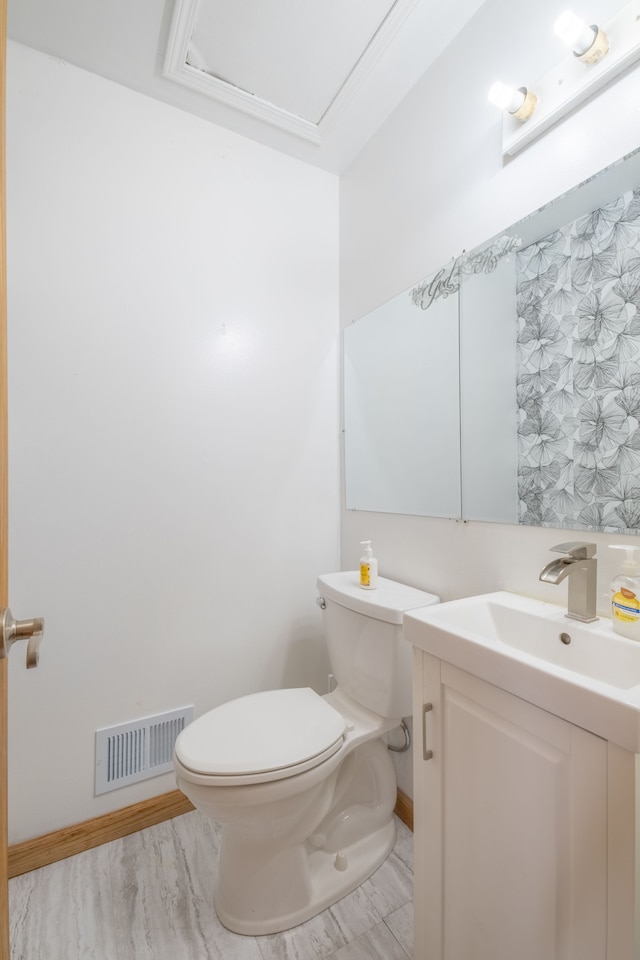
12	630
426	709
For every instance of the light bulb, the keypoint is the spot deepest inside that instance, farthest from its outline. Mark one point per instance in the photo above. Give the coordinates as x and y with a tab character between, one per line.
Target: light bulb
505	97
575	33
519	103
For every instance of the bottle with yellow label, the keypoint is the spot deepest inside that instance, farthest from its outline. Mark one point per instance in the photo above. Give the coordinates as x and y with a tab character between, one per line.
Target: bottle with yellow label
625	595
368	567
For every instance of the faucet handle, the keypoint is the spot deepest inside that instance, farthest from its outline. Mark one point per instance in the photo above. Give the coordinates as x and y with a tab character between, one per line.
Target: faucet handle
576	549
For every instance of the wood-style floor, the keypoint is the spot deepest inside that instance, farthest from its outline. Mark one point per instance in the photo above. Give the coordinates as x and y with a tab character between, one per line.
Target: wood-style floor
149	896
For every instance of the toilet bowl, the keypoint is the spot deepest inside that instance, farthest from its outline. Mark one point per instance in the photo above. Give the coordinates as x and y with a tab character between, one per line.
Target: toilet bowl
303	784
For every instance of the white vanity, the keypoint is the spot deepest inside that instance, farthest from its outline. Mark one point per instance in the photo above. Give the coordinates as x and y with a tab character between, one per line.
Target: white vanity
526	726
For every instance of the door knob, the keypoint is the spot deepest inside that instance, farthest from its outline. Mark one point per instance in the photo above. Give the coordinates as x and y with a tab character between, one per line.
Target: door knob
12	630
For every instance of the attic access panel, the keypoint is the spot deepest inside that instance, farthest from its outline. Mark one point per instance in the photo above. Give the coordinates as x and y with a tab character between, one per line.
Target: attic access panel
293	63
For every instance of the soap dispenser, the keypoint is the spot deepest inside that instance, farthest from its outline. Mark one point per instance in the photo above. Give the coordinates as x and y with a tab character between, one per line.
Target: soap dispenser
368	567
625	595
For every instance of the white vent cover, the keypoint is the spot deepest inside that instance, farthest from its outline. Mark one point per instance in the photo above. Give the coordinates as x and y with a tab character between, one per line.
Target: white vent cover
129	752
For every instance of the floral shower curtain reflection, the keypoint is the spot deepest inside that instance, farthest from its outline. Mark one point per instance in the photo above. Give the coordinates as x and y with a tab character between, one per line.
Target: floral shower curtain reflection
578	377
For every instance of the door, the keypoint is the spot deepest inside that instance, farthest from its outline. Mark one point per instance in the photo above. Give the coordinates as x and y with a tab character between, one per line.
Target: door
4	884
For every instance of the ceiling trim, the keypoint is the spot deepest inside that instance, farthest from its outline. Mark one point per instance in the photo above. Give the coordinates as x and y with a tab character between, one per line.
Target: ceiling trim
177	68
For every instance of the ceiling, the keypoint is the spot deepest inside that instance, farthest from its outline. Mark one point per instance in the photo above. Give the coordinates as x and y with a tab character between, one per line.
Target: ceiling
312	78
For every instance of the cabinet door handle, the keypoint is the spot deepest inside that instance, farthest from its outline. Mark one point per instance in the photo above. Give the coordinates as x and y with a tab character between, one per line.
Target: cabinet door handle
426	754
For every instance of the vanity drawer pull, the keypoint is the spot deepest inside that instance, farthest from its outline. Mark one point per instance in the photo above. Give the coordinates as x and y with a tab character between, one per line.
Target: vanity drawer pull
426	754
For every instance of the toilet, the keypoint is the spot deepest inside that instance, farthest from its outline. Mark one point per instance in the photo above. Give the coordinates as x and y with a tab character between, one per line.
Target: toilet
303	784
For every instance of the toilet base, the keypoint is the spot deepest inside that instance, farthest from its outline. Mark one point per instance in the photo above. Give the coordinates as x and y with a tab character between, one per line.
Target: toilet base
293	846
331	877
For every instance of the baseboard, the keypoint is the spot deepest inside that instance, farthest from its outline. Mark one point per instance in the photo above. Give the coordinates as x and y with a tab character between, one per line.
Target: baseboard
60	844
32	854
404	809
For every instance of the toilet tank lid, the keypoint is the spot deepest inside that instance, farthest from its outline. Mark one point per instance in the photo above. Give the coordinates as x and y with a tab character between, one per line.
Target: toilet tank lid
389	601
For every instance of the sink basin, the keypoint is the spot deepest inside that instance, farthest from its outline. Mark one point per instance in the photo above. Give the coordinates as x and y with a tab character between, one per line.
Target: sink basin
582	672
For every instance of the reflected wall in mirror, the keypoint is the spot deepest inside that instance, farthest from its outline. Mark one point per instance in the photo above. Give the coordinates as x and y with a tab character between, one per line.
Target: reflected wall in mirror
402	416
578	371
548	374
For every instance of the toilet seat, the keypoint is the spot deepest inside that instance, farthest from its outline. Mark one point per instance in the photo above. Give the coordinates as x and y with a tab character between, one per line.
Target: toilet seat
260	737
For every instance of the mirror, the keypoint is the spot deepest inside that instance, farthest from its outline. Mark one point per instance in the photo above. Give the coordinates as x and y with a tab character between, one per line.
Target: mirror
506	386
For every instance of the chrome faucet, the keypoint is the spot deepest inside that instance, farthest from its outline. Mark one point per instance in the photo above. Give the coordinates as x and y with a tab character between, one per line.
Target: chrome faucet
579	564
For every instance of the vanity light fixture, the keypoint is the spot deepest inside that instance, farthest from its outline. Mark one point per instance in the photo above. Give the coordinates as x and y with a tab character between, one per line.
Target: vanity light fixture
520	103
608	50
589	43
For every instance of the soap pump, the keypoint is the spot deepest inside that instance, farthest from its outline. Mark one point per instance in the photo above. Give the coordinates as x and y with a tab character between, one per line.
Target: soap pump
368	567
625	595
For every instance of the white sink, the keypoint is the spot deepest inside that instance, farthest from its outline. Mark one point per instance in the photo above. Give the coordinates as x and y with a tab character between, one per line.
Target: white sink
515	643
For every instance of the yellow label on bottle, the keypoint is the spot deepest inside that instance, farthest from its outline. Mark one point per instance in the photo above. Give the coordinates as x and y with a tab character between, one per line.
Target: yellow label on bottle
625	606
365	575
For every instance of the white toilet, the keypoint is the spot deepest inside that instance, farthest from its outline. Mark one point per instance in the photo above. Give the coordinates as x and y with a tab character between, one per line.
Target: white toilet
303	784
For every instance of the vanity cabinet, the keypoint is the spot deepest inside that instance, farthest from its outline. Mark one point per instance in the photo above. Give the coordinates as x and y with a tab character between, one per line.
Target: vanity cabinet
524	828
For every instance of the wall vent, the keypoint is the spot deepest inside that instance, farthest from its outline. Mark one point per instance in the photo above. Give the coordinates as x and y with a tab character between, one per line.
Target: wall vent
129	752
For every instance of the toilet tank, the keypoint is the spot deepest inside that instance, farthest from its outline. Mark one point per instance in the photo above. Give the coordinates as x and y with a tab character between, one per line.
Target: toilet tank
370	659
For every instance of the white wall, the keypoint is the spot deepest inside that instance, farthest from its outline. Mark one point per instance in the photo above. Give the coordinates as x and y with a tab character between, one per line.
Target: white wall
174	477
431	183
